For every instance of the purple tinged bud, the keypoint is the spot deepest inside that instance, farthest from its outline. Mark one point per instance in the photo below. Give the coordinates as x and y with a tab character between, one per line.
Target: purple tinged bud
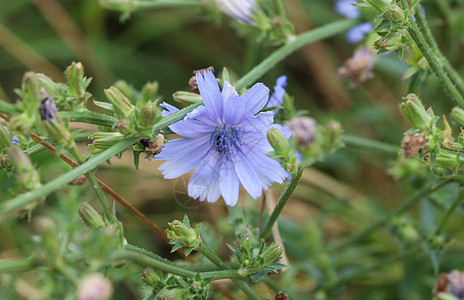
303	129
94	287
47	107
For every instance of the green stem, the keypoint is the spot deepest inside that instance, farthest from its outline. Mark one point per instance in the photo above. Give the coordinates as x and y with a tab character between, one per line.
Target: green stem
431	55
452	73
299	41
166	266
26	198
289	189
366	144
88	117
211	256
93	182
424	192
17	265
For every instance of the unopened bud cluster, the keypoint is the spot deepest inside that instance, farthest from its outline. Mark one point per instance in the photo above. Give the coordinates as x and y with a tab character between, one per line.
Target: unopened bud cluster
182	235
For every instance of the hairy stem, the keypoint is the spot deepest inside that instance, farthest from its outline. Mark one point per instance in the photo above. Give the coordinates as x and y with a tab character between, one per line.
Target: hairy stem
289	189
366	144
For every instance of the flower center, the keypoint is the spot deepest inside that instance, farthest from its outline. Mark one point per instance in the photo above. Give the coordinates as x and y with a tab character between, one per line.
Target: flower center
225	140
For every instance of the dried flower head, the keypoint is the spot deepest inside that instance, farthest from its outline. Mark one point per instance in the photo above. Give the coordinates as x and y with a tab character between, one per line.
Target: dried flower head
359	67
413	144
303	129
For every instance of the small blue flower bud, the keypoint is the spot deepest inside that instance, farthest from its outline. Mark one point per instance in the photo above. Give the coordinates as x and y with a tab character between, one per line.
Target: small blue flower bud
47	107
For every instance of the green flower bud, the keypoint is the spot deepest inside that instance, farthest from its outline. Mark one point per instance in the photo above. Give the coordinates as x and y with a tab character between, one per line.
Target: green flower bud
186	97
124	127
150	277
51	87
447	160
391	41
183	235
415	112
149	92
90	216
121	105
148	114
75	76
458	116
278	142
271	255
395	13
27	176
104	140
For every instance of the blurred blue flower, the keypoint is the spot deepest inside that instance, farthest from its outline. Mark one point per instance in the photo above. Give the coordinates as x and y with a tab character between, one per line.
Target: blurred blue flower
347	9
238	9
358	32
14	140
226	140
277	98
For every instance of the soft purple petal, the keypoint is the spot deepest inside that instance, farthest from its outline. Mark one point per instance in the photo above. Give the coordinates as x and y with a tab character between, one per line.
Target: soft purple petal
235	107
277	98
191	128
210	93
267	168
256	98
199	184
247	175
358	33
169	109
347	9
229	183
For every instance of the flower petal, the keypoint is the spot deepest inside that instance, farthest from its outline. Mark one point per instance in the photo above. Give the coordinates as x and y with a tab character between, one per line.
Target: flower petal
169	109
229	183
210	93
247	175
199	184
256	98
191	128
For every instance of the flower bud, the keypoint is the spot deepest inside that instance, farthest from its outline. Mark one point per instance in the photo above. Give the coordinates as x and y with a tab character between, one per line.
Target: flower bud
75	77
458	116
243	10
47	107
415	112
447	160
395	13
278	142
303	129
391	41
30	92
456	284
121	105
149	92
51	87
333	132
183	235
150	277
90	216
186	97
94	287
148	114
271	255
27	176
124	127
104	140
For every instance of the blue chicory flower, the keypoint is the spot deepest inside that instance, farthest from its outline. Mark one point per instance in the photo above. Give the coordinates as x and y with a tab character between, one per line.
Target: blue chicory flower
358	32
238	9
14	139
277	98
226	140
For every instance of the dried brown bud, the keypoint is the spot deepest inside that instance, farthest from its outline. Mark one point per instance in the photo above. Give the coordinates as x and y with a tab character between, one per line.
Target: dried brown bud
281	296
193	80
442	283
359	67
78	181
155	145
413	144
